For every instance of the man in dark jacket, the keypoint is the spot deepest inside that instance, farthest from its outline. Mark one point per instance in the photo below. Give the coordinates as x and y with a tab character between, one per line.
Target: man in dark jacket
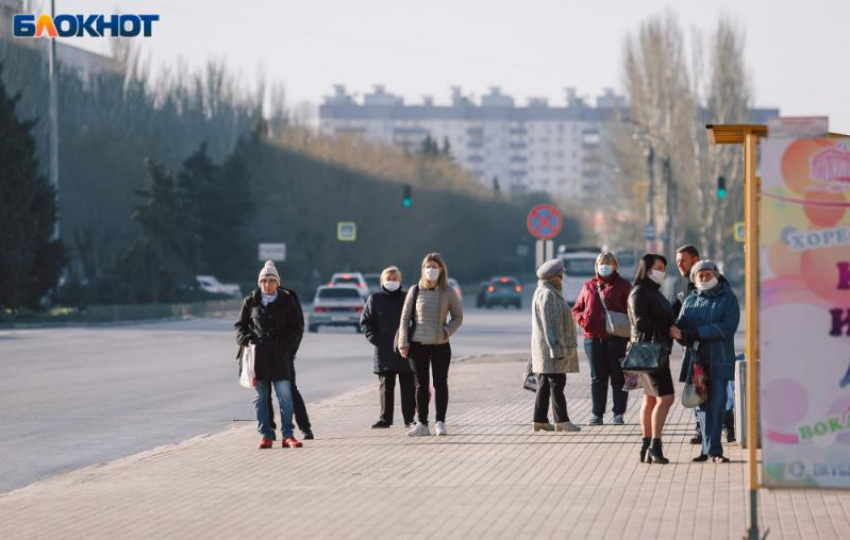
379	323
302	419
686	257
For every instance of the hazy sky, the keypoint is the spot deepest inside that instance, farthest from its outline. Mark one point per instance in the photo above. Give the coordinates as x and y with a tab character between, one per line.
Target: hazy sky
796	52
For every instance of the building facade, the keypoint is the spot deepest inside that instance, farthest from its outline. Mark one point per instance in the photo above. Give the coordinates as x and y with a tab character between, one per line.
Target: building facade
85	63
535	147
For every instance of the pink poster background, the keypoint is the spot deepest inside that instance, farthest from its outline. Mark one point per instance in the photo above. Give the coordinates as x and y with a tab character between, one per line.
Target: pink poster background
805	372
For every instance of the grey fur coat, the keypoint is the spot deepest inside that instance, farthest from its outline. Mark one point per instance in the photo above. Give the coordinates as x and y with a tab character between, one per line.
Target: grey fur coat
554	348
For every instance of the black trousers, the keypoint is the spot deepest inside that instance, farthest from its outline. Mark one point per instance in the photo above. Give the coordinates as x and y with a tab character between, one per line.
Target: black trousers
551	385
386	391
302	420
425	360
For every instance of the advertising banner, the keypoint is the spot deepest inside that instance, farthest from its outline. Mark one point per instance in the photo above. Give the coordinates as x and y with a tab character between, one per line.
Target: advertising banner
804	316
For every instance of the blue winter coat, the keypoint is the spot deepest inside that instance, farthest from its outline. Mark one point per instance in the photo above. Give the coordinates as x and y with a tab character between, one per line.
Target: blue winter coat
711	318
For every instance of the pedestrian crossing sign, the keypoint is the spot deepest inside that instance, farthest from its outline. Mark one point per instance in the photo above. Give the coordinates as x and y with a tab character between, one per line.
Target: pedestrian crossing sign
738	231
346	231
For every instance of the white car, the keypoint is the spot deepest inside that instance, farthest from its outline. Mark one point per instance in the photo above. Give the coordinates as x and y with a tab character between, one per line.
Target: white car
211	285
350	279
336	306
580	267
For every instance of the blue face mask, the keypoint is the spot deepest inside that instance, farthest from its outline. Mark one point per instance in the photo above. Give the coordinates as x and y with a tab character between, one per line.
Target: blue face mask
605	270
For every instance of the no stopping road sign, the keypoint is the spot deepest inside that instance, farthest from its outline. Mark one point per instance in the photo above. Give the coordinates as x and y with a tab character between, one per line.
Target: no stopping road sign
544	221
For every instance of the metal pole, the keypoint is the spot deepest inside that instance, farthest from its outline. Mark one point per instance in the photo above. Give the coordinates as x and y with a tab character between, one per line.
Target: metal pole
751	297
650	197
54	123
669	208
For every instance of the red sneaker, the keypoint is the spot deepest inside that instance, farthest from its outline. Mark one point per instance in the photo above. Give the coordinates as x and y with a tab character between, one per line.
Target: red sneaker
265	443
291	442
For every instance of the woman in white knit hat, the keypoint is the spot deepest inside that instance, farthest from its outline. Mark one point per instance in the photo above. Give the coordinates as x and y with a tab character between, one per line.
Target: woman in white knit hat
271	320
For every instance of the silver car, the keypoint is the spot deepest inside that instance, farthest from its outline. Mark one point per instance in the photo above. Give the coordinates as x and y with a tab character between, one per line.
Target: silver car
336	306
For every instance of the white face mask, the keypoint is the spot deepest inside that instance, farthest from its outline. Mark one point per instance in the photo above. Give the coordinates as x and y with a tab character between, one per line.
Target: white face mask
605	270
392	286
657	276
706	285
431	274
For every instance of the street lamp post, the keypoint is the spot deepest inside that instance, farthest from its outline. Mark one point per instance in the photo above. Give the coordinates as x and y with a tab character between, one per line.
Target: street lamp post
653	143
54	122
650	197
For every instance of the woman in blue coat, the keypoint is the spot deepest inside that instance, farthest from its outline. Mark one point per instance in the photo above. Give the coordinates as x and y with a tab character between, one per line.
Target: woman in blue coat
706	326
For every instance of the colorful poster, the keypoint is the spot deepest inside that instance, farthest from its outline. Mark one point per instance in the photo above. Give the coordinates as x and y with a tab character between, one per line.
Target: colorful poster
804	316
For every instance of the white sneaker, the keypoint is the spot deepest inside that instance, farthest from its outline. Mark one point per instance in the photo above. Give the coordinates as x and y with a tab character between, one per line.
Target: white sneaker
440	429
419	430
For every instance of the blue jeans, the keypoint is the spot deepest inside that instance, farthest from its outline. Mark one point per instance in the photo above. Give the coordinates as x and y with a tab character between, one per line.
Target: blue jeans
283	389
604	355
710	415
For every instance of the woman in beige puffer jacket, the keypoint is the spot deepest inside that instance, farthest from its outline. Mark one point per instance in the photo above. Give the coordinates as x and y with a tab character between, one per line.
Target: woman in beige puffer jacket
426	344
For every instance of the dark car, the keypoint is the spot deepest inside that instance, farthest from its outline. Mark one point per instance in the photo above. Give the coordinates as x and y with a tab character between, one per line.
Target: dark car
500	291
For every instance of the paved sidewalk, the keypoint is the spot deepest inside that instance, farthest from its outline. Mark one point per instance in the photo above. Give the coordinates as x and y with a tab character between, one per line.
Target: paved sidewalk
490	478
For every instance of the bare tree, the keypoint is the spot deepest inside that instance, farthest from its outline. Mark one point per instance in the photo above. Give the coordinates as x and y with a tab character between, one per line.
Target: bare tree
670	99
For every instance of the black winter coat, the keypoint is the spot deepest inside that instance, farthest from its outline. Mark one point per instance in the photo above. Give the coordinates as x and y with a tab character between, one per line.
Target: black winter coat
379	323
276	329
650	314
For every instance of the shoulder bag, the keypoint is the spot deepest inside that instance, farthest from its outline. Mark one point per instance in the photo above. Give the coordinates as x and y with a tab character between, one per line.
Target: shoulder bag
616	323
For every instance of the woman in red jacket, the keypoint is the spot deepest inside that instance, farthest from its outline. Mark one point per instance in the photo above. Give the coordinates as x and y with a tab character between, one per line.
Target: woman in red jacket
603	350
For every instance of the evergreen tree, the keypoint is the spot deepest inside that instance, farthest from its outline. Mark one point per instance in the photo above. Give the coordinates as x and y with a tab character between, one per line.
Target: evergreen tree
215	200
30	261
446	150
430	147
160	262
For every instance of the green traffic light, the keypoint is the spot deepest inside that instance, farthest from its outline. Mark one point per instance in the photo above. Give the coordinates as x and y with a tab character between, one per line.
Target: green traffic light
721	187
407	203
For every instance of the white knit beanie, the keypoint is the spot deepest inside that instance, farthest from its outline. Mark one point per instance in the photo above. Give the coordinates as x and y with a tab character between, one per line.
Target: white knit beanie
269	271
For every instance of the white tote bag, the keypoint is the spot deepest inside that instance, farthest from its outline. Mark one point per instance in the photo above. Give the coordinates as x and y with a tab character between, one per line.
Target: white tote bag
247	377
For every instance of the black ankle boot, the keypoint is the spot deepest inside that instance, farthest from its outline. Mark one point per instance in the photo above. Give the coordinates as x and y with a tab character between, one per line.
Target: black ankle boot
643	448
655	454
729	424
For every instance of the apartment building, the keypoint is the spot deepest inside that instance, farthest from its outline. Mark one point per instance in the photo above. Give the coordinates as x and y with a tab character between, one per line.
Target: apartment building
523	148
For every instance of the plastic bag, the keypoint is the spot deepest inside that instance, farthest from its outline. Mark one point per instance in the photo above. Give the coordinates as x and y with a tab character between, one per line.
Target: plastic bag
634	381
247	376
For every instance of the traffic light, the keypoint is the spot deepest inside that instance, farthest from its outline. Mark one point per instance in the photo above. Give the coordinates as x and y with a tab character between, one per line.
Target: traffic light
407	196
721	187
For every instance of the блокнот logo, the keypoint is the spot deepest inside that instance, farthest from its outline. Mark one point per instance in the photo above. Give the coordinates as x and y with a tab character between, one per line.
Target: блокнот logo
26	25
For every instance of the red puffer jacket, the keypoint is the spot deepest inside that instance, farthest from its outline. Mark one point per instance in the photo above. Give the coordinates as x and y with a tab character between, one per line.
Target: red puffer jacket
588	311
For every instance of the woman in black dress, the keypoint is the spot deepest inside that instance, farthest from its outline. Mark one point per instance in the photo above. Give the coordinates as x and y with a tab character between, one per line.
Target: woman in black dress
651	317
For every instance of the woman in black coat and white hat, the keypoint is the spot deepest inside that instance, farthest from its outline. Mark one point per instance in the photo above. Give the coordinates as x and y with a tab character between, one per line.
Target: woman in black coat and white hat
379	323
271	321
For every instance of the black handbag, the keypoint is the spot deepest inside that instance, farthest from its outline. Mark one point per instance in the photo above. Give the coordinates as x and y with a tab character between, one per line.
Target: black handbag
644	357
